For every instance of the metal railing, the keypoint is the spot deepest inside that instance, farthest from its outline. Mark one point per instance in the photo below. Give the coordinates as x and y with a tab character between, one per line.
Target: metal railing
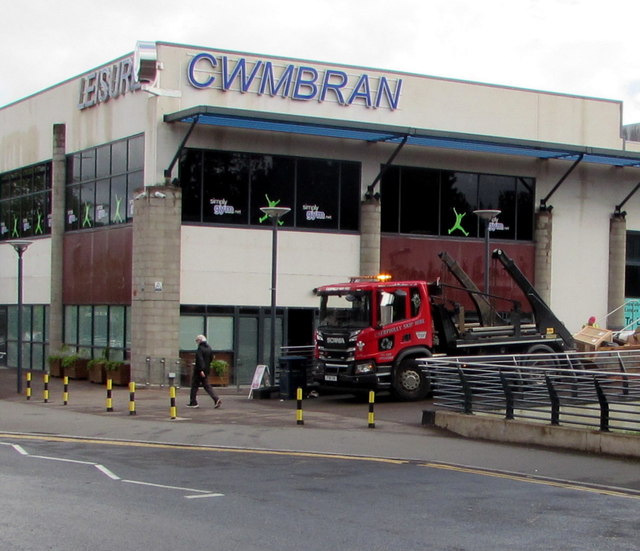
599	390
159	371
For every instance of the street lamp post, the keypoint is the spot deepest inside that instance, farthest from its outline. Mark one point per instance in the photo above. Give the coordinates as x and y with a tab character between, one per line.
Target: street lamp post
19	247
487	215
274	213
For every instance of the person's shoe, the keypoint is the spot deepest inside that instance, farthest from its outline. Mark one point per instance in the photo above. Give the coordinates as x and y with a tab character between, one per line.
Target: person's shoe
193	406
218	404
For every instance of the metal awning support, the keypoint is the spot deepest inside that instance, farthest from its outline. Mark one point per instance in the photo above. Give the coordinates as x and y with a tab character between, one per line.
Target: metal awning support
371	187
618	211
168	171
543	202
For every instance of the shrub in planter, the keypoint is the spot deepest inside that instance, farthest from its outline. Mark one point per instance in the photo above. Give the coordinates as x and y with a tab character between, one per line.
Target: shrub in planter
75	366
219	373
118	371
96	370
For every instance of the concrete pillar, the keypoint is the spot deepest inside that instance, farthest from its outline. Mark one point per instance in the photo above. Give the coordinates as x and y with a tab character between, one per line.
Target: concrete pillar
58	183
617	264
155	302
370	236
542	270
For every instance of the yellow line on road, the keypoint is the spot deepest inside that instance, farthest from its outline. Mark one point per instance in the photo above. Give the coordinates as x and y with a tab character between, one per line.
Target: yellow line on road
154	445
535	480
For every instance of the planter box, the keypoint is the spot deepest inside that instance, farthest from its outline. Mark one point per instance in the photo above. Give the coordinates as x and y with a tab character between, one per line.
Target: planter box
219	380
97	373
120	376
55	368
77	370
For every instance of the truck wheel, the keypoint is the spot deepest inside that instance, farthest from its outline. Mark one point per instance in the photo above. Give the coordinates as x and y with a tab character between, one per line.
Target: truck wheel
410	383
537	378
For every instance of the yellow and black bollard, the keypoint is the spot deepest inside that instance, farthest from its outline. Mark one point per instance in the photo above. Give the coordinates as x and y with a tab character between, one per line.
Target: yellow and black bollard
372	417
28	385
109	397
45	391
132	398
172	395
299	418
65	390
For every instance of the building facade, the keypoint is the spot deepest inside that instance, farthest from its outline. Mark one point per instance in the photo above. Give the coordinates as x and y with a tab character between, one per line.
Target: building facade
140	186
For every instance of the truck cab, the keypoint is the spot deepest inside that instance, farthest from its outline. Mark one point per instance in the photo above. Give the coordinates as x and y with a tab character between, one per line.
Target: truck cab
369	334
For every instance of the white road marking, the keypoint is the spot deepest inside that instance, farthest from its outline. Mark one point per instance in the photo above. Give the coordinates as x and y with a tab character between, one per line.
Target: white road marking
63	460
19	449
168	487
106	471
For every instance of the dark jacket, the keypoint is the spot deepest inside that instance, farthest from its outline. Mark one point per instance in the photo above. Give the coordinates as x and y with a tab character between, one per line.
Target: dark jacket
204	355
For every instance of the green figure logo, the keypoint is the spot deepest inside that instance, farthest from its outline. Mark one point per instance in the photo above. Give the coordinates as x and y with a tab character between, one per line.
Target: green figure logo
458	224
271	204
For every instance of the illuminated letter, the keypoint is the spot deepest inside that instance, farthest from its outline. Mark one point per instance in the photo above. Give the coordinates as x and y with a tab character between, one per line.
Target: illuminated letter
191	69
240	69
309	83
384	89
268	82
335	87
361	90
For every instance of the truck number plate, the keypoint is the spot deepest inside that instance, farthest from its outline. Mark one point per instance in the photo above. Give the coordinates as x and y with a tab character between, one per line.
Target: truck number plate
333	378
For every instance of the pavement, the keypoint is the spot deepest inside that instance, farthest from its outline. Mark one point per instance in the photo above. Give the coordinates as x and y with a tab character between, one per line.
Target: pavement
334	424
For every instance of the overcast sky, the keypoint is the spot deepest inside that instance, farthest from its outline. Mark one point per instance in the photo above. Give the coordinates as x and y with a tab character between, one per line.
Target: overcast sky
584	47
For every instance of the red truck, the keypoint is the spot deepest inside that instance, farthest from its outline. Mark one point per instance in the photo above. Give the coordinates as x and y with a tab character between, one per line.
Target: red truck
371	332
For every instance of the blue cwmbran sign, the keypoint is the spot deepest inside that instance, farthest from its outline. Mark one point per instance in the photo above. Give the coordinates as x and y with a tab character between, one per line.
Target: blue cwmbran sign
298	82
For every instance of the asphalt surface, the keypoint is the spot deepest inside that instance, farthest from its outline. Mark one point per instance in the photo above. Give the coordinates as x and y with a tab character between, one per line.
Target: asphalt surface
333	424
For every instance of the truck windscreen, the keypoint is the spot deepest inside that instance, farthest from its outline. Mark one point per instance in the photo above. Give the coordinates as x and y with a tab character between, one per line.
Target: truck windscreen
345	310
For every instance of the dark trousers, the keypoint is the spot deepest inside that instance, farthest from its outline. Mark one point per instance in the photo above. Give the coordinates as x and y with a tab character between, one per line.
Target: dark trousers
196	381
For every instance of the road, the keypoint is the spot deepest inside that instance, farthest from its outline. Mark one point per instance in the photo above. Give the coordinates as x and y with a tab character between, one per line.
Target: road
81	493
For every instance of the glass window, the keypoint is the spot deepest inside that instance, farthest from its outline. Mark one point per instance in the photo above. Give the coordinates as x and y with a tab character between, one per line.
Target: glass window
191	184
12	320
419	201
459	200
441	202
247	355
136	154
220	332
88	164
24	202
85	325
225	187
190	327
100	326
390	200
525	209
87	207
117	323
272	180
103	161
103	203
118	200
71	324
230	188
499	192
105	179
350	196
119	157
318	193
632	275
73	208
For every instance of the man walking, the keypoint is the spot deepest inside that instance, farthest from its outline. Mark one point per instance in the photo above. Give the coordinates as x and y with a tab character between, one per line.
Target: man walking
201	368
